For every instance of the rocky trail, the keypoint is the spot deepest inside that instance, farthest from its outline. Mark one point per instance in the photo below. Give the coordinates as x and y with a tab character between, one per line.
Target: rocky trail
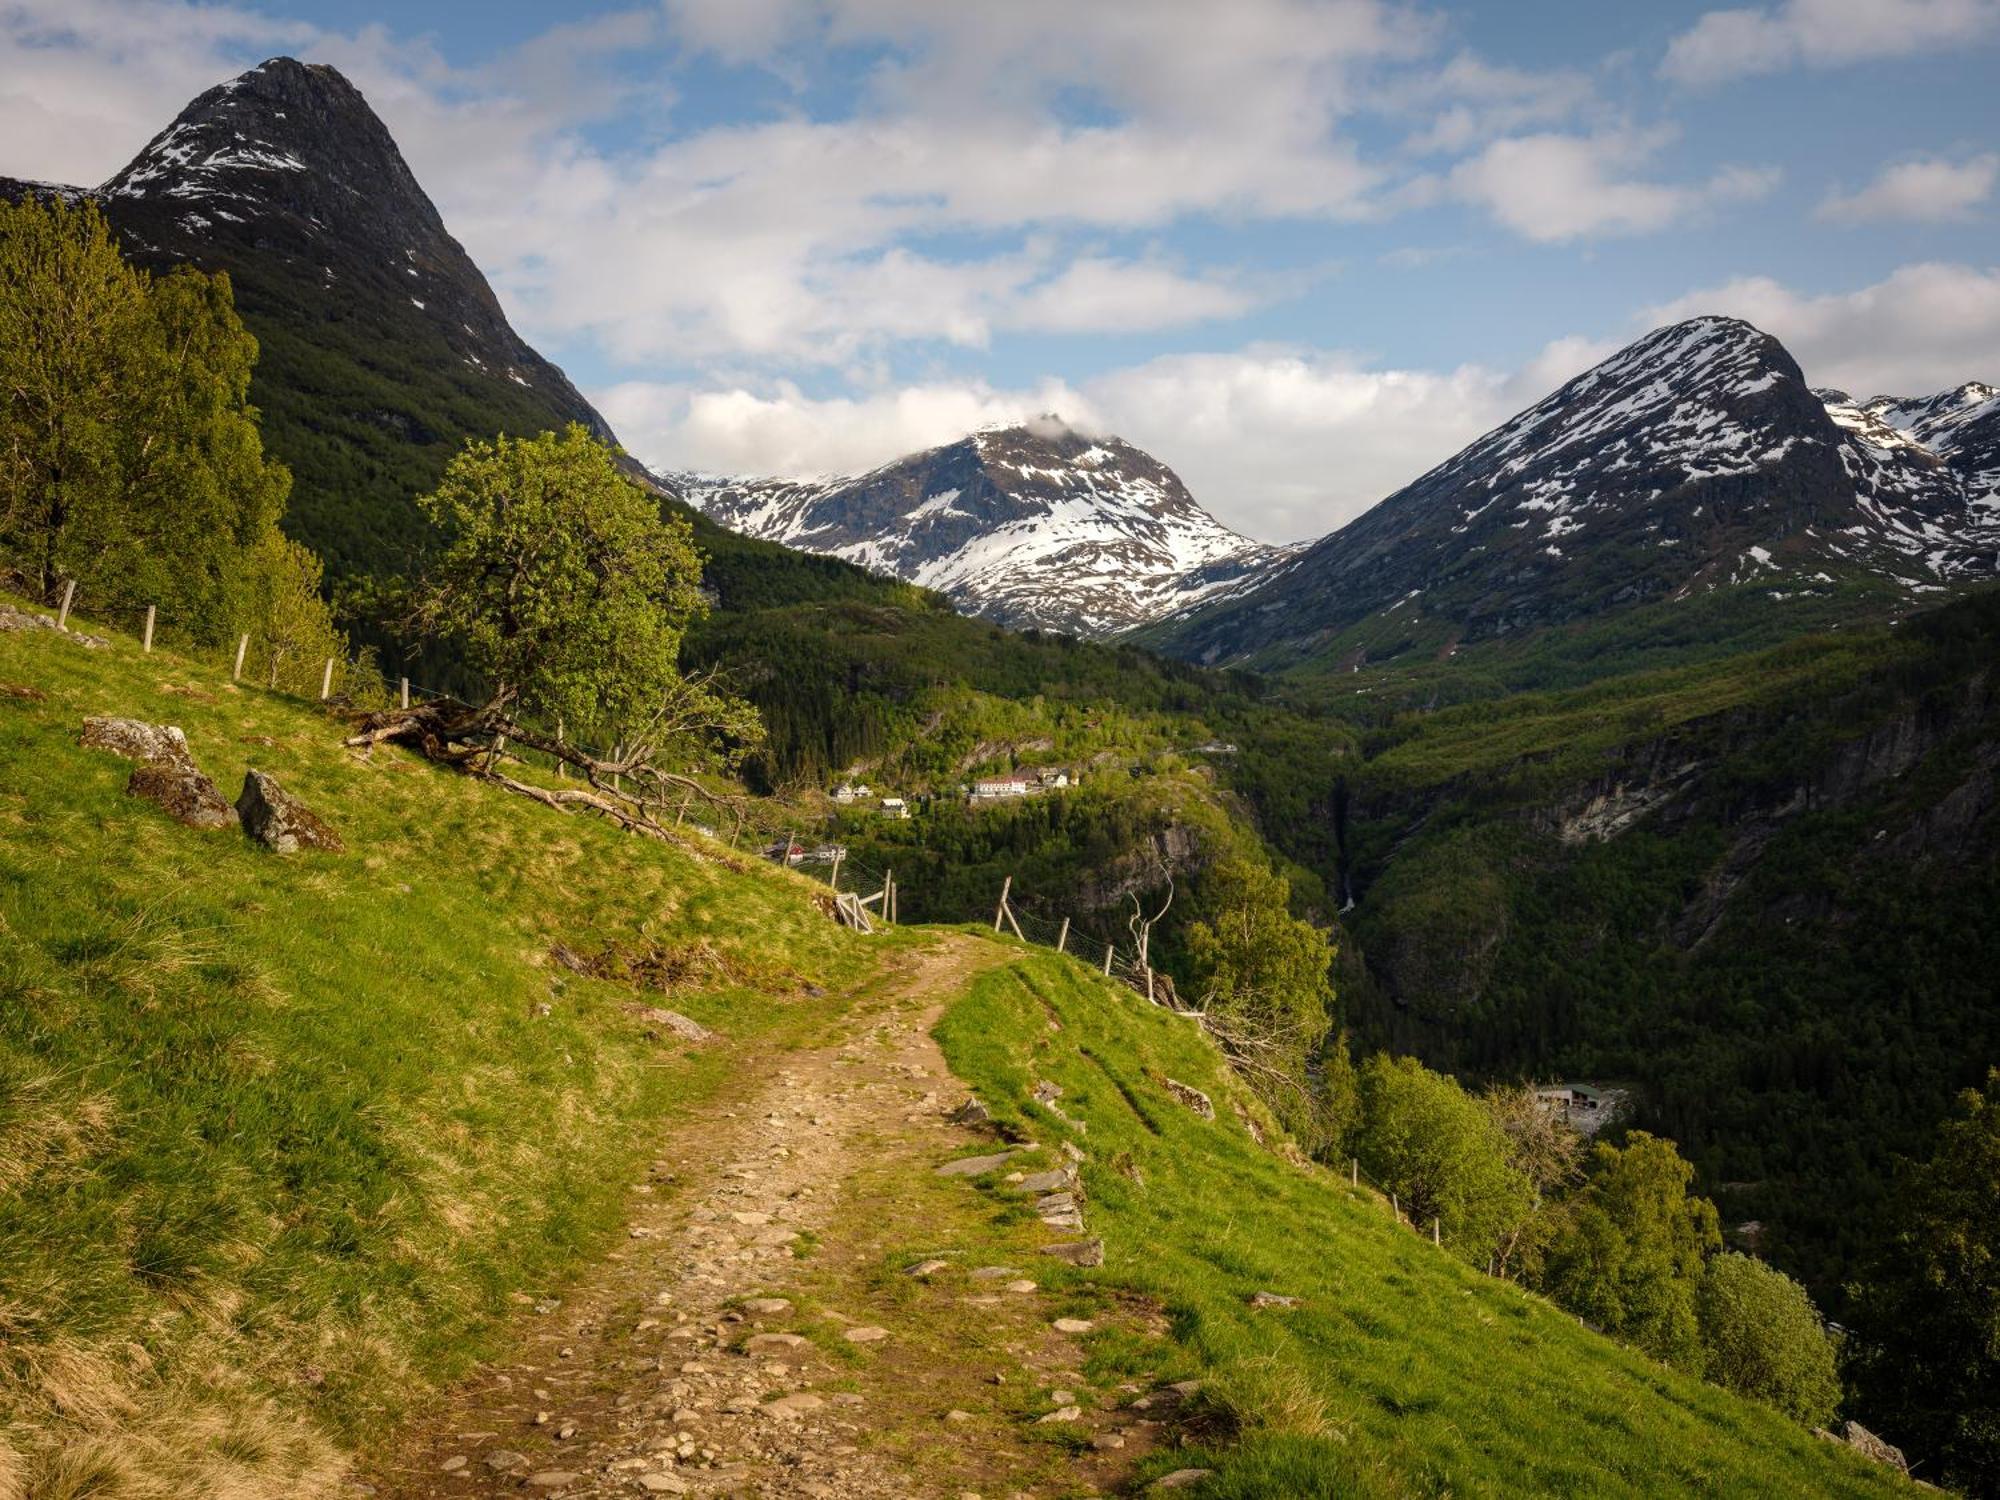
806	1306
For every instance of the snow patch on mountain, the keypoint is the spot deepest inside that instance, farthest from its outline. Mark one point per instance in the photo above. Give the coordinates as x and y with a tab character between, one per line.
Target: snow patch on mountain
1033	525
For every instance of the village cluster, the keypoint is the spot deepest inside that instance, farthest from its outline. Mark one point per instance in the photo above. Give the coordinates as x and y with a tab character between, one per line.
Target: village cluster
1001	789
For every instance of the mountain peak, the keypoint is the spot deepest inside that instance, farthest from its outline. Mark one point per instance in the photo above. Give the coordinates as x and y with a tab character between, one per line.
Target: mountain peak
288	138
1038	523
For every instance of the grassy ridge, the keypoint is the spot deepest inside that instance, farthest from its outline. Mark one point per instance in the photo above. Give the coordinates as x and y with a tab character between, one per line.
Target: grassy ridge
283	1136
1402	1372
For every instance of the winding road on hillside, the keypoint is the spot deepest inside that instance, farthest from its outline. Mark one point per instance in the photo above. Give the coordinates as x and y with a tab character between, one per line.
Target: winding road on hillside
802	1307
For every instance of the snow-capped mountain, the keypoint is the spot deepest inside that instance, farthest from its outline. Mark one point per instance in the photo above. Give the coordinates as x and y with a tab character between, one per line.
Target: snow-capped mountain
1695	458
1036	525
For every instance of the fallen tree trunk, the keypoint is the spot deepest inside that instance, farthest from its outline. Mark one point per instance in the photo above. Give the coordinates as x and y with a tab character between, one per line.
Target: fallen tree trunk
474	739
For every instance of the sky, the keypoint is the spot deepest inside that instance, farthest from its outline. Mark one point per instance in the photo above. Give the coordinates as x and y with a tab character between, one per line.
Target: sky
1300	250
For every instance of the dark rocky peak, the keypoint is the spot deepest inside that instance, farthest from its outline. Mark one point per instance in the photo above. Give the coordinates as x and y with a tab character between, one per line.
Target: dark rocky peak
288	136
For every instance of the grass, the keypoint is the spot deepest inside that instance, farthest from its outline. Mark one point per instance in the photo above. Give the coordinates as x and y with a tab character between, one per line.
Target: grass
283	1139
1402	1372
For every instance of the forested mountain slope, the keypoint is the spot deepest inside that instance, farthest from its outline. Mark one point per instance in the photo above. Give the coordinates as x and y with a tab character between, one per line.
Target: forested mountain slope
1756	890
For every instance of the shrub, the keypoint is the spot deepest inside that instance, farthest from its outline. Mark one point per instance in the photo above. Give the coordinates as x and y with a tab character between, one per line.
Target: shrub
1762	1336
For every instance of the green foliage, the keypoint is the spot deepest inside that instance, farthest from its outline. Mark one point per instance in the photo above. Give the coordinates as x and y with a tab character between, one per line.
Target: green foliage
1762	1336
1790	963
1434	1146
1929	1361
1337	1089
1548	1153
1261	972
130	457
1630	1256
560	583
291	631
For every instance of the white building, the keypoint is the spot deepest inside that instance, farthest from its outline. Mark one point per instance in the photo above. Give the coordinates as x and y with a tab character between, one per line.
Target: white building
994	791
895	807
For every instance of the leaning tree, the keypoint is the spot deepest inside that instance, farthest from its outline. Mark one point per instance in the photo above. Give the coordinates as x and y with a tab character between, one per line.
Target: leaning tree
559	583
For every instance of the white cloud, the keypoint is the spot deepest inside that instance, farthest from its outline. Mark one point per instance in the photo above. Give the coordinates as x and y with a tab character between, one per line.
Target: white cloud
1927	189
1924	328
1280	443
1553	188
1725	44
780	430
1469	101
88	82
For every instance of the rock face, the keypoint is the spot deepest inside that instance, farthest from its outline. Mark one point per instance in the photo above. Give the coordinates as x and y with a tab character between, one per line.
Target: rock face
1696	458
166	774
1036	525
278	820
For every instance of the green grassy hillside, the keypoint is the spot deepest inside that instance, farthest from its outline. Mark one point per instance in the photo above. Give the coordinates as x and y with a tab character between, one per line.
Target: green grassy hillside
1400	1372
285	1135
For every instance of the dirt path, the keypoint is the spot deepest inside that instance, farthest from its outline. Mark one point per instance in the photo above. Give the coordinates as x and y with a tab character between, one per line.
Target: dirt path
762	1333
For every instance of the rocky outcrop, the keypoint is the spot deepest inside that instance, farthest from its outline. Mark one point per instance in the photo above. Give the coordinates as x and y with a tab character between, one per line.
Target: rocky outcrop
166	774
22	619
1178	849
1864	1442
278	820
1190	1096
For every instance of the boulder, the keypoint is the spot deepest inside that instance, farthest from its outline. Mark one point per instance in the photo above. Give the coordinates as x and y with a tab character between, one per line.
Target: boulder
149	744
278	820
184	793
1866	1443
1078	1253
972	1112
21	619
1192	1097
972	1166
166	773
1062	1179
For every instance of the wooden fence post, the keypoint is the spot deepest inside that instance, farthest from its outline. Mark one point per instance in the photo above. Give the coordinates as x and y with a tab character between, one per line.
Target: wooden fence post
1109	949
62	616
243	645
684	812
1395	1208
838	854
403	694
1356	1173
889	896
326	681
1149	986
147	644
1434	1231
1000	911
1062	938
